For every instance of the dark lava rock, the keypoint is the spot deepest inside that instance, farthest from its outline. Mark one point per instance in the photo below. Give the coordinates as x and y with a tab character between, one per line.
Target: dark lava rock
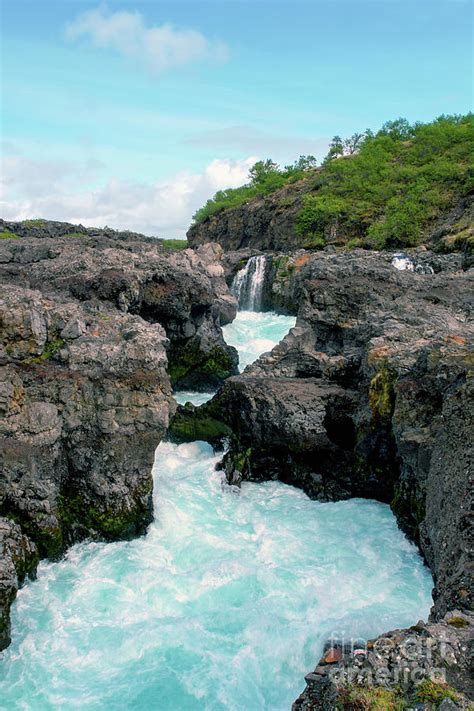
434	658
95	331
18	559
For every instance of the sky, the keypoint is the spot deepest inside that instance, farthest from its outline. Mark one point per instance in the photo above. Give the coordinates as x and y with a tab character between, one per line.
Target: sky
132	113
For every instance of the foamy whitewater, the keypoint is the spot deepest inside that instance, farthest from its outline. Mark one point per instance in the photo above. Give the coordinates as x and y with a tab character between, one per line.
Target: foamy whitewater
256	333
224	604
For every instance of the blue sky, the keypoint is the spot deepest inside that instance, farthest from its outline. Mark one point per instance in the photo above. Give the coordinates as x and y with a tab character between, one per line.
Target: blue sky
132	113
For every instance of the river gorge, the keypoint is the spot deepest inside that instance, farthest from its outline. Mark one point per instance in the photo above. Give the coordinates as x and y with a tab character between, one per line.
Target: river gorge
218	463
228	598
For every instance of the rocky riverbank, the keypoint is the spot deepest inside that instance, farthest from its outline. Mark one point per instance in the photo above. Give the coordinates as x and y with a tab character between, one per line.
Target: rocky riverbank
369	395
95	333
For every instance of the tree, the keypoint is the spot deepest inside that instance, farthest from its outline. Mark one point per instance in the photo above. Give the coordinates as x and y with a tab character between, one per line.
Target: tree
262	169
305	163
400	129
352	144
336	149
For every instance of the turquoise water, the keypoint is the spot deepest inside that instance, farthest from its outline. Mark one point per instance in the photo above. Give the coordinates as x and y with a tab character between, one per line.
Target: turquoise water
224	604
255	333
184	396
252	334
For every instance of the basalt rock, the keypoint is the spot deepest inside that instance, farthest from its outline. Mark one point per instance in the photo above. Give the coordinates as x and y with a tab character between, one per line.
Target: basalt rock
263	223
184	291
428	666
96	328
84	398
18	560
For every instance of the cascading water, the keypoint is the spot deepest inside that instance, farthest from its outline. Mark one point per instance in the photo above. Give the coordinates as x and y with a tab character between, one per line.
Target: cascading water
248	284
226	602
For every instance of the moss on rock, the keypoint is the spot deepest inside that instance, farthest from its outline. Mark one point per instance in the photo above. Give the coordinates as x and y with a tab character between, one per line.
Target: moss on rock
352	697
192	365
382	394
409	506
79	516
197	423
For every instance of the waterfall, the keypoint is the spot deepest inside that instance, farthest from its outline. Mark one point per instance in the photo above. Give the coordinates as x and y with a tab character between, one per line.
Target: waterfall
248	283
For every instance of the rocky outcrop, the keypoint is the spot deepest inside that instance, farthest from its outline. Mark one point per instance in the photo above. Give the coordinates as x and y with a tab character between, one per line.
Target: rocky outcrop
184	291
369	395
18	559
269	223
264	223
95	333
85	398
428	666
54	229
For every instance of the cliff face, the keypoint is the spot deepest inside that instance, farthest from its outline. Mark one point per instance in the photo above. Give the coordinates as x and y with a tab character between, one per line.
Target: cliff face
269	223
263	223
95	332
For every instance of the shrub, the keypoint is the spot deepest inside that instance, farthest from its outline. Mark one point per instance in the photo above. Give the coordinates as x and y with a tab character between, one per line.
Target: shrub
319	212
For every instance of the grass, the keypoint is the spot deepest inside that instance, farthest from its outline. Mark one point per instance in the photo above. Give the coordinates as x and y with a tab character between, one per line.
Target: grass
8	235
38	222
458	622
434	692
174	244
51	348
352	697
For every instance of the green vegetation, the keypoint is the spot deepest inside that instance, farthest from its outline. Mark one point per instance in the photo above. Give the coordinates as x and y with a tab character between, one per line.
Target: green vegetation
74	235
409	506
352	697
34	223
264	178
458	622
110	524
213	366
381	394
51	348
434	692
172	244
394	185
8	235
382	190
193	423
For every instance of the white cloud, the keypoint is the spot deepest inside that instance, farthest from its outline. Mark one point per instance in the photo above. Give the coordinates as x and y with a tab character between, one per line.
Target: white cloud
158	48
164	209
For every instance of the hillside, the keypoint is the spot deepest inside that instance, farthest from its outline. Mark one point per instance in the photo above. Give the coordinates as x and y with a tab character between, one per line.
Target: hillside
403	186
